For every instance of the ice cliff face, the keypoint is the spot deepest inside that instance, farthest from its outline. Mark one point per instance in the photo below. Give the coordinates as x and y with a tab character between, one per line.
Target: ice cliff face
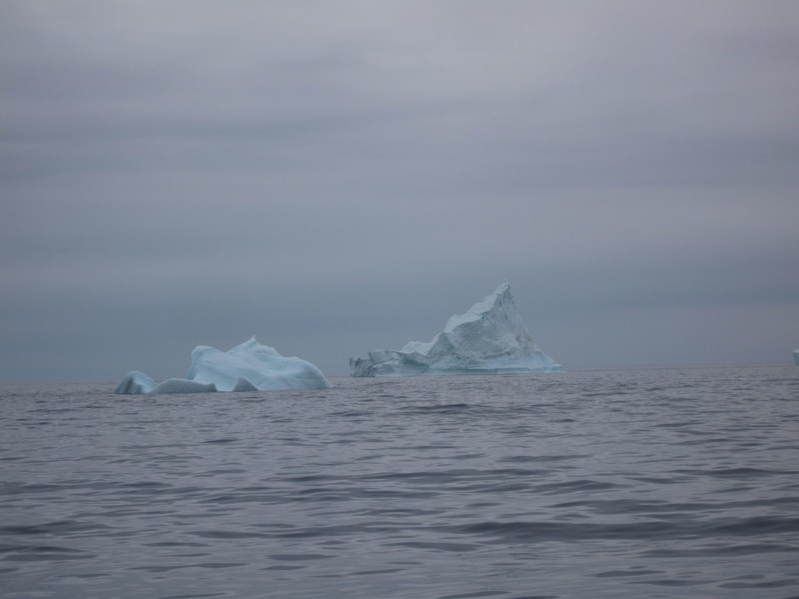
250	366
489	338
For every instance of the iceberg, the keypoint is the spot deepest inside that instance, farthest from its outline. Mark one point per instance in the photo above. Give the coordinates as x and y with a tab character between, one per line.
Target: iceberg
135	383
250	366
796	357
489	338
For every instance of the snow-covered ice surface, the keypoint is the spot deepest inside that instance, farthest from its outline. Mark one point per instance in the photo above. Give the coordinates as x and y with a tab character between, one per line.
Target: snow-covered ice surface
488	338
250	366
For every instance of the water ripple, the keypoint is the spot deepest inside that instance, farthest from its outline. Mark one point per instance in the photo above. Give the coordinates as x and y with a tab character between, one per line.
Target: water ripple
581	485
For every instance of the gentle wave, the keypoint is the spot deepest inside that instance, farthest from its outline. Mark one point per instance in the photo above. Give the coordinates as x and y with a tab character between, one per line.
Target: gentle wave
569	485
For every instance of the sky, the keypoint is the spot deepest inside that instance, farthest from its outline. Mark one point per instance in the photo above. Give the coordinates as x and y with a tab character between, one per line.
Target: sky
340	176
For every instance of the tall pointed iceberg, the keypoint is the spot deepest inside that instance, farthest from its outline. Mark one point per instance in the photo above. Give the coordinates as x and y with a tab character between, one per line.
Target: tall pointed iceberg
489	338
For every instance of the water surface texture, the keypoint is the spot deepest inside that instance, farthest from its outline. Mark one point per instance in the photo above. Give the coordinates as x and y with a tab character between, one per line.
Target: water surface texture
639	483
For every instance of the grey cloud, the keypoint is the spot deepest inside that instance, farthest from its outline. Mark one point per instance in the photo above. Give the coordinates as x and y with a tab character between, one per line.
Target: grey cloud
340	176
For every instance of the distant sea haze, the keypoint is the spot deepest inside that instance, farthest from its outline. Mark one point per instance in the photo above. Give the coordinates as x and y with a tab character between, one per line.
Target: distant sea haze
592	484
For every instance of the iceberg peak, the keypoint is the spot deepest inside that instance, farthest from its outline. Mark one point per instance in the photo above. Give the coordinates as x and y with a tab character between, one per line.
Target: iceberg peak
490	337
480	309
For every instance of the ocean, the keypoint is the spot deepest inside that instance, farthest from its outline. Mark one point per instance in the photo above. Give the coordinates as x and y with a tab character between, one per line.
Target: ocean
585	484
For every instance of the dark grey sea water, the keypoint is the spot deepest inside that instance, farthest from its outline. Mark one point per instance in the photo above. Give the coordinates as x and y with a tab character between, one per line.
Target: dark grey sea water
639	483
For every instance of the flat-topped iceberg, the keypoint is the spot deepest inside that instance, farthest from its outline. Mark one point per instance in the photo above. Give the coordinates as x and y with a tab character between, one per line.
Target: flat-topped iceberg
250	366
489	338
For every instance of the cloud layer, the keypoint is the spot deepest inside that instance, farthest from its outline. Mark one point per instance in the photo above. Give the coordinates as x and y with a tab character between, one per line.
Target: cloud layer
335	177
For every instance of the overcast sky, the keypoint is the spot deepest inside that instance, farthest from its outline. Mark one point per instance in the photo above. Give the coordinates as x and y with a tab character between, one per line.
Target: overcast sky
339	176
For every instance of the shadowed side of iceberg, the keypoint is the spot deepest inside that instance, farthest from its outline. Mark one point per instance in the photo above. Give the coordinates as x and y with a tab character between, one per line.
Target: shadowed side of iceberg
250	366
176	385
489	338
138	383
386	362
244	385
135	383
